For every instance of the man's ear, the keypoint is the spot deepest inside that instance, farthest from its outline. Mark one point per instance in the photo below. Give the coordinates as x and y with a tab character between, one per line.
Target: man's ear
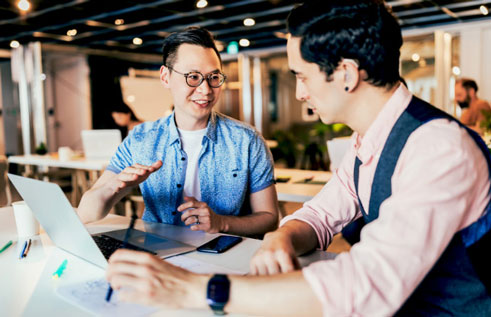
351	75
164	76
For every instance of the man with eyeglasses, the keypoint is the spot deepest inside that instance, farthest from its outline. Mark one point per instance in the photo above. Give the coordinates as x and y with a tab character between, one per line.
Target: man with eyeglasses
196	167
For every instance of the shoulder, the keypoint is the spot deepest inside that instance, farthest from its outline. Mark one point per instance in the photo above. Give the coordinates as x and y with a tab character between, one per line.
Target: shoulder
235	127
483	105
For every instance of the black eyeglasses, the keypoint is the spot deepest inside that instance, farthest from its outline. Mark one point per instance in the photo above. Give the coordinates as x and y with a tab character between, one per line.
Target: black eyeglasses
194	79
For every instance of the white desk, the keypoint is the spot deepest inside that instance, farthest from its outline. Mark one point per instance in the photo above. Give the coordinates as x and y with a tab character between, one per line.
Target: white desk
80	181
27	288
296	190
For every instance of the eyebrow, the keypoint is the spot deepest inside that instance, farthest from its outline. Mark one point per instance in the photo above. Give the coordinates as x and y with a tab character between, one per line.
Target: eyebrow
216	70
294	72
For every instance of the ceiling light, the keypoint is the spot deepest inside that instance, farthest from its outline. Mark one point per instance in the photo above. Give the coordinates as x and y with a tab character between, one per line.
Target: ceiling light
119	21
42	76
131	98
484	10
249	22
71	32
137	41
456	70
24	5
201	4
244	42
14	44
415	57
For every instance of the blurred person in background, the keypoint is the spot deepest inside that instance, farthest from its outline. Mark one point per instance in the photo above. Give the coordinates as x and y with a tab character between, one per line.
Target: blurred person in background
124	117
472	107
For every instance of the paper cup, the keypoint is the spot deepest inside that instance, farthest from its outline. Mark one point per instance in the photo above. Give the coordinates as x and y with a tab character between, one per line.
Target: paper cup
27	224
64	153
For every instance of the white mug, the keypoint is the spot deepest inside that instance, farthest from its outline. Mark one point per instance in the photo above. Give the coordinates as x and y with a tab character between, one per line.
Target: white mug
64	153
26	222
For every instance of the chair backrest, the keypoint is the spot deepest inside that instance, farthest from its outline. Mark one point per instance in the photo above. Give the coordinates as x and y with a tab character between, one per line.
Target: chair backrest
337	149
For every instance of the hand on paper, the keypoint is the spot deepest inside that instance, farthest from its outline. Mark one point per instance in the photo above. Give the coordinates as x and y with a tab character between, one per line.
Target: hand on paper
200	216
135	174
142	278
276	255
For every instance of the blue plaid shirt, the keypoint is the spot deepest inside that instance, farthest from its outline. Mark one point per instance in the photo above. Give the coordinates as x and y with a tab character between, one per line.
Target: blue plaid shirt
234	162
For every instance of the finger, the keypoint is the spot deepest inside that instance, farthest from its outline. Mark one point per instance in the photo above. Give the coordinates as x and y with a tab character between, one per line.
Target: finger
157	165
127	177
191	220
189	198
286	262
143	167
189	213
187	205
134	169
136	257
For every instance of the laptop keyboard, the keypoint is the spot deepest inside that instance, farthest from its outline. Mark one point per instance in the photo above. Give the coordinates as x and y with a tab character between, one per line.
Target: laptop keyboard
109	245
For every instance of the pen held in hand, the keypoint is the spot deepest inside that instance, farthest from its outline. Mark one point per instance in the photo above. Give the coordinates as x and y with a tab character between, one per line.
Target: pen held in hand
125	243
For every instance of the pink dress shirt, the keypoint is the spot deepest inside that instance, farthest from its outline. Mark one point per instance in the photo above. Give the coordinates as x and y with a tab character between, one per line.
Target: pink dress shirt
440	185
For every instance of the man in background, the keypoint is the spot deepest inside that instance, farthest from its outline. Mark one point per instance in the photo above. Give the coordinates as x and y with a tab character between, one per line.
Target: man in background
472	107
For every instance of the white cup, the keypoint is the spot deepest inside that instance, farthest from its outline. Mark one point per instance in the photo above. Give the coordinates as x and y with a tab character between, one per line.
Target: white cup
64	153
27	224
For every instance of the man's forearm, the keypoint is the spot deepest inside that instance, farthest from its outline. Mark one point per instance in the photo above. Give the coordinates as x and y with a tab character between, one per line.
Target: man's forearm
254	224
301	234
98	201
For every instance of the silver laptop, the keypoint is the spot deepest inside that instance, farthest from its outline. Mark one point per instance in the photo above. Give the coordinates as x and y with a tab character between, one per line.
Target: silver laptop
55	214
100	144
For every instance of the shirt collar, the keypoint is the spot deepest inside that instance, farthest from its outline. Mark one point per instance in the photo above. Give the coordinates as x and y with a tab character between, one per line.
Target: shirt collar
211	128
379	130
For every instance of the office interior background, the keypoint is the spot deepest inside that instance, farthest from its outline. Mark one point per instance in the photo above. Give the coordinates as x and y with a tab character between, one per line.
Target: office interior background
64	65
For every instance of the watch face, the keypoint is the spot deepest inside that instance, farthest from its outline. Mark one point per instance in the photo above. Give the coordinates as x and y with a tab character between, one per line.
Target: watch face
218	289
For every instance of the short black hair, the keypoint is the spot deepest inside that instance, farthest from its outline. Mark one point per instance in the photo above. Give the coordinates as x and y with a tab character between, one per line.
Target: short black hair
124	108
191	35
467	83
363	30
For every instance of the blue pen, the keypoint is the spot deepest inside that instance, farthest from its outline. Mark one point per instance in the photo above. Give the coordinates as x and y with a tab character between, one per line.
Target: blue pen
23	249
125	243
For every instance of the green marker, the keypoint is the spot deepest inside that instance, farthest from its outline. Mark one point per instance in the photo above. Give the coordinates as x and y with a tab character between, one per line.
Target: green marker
5	247
60	270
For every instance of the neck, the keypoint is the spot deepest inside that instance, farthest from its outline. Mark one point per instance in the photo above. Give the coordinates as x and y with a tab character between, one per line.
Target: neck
190	124
366	106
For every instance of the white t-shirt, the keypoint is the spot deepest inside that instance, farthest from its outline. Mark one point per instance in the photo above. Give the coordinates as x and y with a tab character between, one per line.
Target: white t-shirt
191	144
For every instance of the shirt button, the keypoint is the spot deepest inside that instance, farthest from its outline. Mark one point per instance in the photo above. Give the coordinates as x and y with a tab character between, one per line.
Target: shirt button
183	158
235	175
179	185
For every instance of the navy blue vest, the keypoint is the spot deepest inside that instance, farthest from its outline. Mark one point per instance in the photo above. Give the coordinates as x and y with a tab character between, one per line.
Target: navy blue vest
460	281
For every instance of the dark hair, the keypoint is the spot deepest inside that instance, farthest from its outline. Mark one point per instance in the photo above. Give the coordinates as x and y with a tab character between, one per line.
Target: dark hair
124	108
363	30
191	35
467	83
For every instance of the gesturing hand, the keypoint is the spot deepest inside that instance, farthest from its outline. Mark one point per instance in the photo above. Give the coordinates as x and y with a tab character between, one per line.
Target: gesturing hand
135	174
276	255
200	216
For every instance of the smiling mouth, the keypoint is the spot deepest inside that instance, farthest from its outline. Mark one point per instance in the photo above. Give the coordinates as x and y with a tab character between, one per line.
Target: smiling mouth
202	103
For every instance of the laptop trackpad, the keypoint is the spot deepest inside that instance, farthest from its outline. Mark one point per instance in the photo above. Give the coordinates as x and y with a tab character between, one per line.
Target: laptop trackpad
141	239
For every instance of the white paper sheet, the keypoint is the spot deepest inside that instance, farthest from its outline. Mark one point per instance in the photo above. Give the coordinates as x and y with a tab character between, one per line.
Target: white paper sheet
91	296
200	267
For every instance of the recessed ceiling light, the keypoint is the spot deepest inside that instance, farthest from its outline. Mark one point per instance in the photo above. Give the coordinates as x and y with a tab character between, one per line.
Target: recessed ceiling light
14	44
119	21
249	22
484	10
415	57
244	42
71	32
24	5
201	4
137	41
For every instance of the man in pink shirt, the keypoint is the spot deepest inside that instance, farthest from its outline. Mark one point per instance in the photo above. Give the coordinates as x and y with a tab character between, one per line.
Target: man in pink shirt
418	178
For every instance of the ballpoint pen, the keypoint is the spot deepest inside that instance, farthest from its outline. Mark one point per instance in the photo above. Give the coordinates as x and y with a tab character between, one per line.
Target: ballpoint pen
21	255
29	242
125	243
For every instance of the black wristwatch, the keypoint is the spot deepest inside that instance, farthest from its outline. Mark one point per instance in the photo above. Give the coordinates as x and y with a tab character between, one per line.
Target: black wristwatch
217	293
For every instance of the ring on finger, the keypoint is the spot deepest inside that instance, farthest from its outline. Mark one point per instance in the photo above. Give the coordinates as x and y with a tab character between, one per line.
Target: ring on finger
197	220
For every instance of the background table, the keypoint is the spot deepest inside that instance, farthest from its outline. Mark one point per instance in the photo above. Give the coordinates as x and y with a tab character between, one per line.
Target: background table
27	288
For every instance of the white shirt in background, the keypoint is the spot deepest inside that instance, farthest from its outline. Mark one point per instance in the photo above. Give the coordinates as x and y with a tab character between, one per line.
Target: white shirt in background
191	144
